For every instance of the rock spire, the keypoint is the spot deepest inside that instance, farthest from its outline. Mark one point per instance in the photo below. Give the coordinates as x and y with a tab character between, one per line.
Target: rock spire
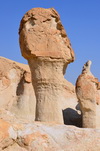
44	43
87	90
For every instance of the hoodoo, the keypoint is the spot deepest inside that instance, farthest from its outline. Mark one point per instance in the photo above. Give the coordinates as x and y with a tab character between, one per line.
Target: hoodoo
87	90
44	43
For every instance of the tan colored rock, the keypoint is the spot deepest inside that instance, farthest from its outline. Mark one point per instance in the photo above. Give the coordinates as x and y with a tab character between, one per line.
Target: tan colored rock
17	98
44	43
19	103
98	106
40	136
88	95
42	34
98	94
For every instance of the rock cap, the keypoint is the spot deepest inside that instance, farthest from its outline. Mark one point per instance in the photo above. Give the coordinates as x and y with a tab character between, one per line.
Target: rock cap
42	35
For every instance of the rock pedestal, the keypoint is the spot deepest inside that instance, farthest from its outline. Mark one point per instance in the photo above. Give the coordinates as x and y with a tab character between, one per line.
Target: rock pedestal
86	90
44	43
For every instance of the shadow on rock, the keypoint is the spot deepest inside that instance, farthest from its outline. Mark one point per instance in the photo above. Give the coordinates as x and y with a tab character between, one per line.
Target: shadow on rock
72	117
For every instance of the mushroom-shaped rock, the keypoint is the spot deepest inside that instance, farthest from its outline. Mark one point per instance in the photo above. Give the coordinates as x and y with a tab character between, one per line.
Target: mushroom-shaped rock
44	43
87	91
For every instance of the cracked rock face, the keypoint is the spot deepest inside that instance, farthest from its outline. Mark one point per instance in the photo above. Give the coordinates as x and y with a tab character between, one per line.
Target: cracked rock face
44	43
88	93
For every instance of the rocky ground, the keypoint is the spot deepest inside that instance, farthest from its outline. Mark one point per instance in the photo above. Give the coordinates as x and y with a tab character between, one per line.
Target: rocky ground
19	131
38	136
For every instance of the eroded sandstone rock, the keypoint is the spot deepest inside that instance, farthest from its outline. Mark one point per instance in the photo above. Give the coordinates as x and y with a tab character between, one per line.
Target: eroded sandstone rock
40	136
87	90
17	98
44	43
19	103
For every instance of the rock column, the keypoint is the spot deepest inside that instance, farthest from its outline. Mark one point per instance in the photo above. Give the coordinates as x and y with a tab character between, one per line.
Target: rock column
86	90
44	43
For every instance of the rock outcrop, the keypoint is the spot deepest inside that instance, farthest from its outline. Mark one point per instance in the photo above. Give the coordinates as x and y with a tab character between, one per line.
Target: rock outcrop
40	136
53	100
88	93
17	97
44	43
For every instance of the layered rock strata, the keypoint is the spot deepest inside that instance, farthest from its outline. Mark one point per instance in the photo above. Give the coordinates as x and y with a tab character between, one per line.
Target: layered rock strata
44	43
87	90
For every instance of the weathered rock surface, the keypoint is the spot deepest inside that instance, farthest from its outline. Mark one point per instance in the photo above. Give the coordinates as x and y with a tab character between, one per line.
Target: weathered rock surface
44	43
40	136
17	97
20	104
88	93
42	34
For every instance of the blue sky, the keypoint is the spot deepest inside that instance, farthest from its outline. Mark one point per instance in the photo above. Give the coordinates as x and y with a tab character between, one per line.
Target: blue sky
80	18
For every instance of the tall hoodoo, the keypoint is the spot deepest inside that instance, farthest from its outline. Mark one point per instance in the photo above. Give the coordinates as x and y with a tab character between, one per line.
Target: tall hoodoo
87	91
44	43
